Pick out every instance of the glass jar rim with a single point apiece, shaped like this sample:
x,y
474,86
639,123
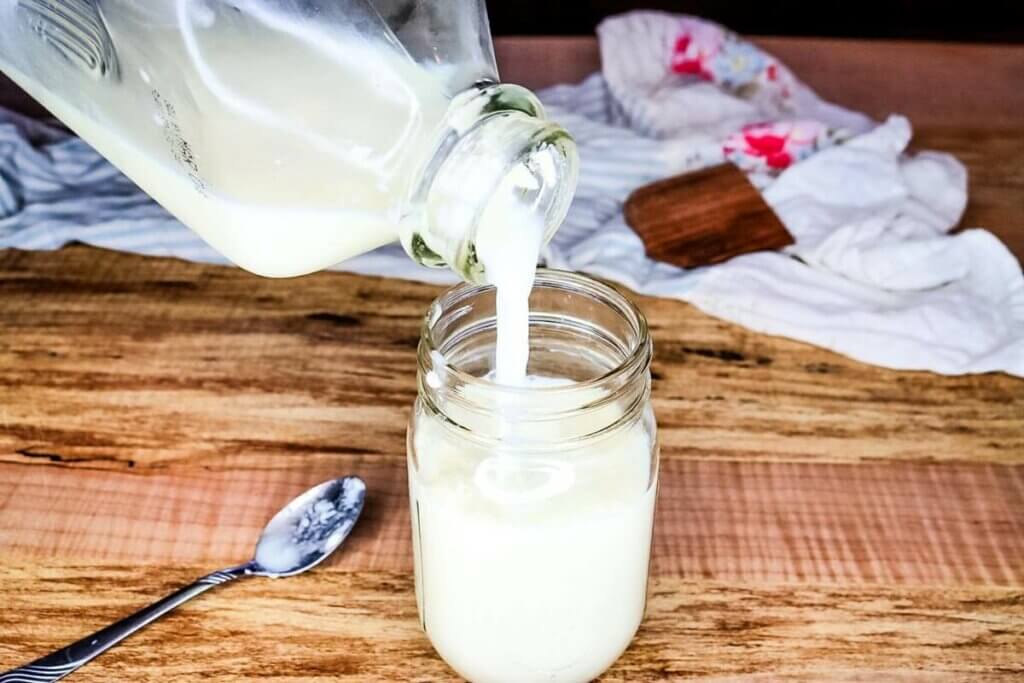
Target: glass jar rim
x,y
636,359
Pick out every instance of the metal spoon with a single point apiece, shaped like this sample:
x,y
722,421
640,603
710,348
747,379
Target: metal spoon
x,y
298,538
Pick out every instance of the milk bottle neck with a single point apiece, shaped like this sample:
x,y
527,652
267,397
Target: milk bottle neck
x,y
495,149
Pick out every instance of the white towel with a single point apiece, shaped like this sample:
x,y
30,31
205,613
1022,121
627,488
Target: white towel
x,y
873,274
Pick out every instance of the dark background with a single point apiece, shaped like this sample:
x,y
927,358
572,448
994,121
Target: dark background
x,y
967,20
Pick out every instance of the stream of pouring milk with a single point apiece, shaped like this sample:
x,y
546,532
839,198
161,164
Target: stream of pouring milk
x,y
530,566
508,245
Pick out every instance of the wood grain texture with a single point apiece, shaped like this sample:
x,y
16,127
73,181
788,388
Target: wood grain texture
x,y
362,626
933,524
704,217
161,411
158,411
818,519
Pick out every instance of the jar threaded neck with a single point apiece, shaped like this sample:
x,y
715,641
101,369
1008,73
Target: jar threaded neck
x,y
582,331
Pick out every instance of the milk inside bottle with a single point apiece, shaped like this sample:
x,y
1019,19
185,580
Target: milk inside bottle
x,y
292,136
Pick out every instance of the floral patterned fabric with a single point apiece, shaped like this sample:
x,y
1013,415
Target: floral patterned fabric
x,y
673,76
708,52
774,146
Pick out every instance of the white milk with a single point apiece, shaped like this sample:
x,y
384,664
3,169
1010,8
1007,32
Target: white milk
x,y
253,153
508,244
530,566
534,570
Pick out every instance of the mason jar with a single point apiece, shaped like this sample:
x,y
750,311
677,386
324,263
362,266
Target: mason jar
x,y
533,506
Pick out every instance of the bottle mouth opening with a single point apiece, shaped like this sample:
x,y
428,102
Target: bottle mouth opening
x,y
498,150
581,331
540,178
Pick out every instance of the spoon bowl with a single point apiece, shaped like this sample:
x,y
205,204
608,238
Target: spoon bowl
x,y
311,527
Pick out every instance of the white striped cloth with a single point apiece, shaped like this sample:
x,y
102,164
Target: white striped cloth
x,y
877,278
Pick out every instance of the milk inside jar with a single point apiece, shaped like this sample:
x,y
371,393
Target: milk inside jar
x,y
533,502
292,136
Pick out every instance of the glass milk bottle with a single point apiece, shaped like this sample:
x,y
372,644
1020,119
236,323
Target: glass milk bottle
x,y
293,135
532,506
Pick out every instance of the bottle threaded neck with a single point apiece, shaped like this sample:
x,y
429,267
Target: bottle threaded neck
x,y
497,146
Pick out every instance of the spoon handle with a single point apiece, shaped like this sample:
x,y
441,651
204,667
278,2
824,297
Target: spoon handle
x,y
59,664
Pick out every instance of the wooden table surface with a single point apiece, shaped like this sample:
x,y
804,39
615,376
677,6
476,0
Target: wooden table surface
x,y
819,519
